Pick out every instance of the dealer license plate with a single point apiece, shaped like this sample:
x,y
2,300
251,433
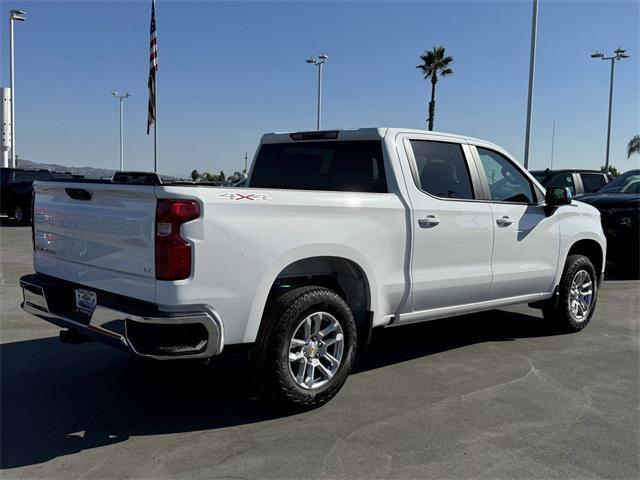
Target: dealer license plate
x,y
86,300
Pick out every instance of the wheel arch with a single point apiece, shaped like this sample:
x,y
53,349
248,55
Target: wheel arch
x,y
350,277
591,249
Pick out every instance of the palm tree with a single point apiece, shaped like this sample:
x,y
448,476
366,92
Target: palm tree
x,y
633,146
434,63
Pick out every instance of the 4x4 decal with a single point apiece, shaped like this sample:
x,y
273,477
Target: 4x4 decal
x,y
252,197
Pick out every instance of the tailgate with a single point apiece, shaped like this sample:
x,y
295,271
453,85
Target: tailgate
x,y
100,235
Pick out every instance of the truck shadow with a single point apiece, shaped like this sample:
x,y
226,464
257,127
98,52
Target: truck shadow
x,y
58,399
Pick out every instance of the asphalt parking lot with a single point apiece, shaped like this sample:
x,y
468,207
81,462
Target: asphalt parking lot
x,y
495,395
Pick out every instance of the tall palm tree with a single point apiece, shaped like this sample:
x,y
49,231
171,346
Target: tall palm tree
x,y
434,64
633,146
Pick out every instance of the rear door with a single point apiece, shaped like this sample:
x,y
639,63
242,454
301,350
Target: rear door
x,y
526,240
99,235
452,230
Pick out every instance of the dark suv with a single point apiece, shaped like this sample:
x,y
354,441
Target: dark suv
x,y
619,205
578,181
16,188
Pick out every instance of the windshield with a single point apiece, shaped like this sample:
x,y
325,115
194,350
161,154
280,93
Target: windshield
x,y
625,183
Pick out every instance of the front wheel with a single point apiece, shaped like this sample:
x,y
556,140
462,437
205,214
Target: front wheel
x,y
305,348
578,292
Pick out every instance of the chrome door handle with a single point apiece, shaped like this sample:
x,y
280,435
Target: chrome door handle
x,y
504,221
428,221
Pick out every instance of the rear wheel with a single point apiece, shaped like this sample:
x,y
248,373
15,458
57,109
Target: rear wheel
x,y
578,292
305,348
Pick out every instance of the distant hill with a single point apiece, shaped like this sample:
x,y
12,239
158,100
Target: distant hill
x,y
88,172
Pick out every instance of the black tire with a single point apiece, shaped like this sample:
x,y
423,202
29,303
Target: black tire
x,y
20,215
270,356
558,311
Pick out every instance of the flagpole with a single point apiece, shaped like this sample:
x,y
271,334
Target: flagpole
x,y
155,140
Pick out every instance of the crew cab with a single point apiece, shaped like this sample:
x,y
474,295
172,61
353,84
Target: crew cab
x,y
334,234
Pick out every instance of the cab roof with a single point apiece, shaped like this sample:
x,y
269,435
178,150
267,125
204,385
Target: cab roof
x,y
373,133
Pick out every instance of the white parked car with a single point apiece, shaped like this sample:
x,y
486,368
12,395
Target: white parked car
x,y
335,233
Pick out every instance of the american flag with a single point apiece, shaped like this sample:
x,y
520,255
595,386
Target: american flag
x,y
153,68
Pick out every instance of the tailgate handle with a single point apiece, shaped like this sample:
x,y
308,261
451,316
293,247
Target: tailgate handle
x,y
78,193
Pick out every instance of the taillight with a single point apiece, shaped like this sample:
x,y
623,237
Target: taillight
x,y
173,253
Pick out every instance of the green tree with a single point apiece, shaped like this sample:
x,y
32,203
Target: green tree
x,y
195,175
221,177
613,171
633,146
434,64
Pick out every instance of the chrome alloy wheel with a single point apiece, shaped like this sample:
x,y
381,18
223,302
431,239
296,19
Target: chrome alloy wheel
x,y
315,350
581,295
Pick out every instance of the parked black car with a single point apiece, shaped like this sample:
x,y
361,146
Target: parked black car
x,y
619,205
16,188
578,181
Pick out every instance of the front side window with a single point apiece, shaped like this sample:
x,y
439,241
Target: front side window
x,y
563,180
348,166
592,181
506,182
442,169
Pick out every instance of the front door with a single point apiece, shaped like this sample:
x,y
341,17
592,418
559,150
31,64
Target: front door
x,y
526,241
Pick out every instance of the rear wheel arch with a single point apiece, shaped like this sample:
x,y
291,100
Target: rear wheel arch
x,y
342,275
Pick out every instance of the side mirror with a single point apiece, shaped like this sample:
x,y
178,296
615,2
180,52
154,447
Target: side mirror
x,y
557,196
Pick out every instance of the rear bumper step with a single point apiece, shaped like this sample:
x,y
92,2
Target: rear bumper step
x,y
127,324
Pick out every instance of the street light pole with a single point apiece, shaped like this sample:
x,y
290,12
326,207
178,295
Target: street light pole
x,y
14,15
318,61
121,98
532,66
619,54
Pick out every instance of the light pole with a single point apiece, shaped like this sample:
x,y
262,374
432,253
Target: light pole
x,y
532,66
618,54
318,61
14,15
122,98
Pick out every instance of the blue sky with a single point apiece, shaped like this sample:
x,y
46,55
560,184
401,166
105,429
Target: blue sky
x,y
230,71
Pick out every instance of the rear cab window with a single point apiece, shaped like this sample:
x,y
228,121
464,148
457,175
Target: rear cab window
x,y
346,166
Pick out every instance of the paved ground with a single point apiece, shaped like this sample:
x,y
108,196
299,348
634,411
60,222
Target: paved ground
x,y
485,396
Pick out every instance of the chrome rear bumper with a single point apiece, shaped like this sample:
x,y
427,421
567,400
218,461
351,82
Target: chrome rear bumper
x,y
187,332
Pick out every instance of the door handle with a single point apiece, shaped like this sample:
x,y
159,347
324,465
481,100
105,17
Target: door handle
x,y
428,221
504,221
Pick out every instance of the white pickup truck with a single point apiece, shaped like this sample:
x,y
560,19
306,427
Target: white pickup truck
x,y
336,233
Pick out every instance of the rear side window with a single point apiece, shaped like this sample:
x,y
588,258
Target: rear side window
x,y
563,180
442,169
348,166
592,181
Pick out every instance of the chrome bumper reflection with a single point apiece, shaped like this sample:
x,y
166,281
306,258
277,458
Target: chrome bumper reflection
x,y
100,325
